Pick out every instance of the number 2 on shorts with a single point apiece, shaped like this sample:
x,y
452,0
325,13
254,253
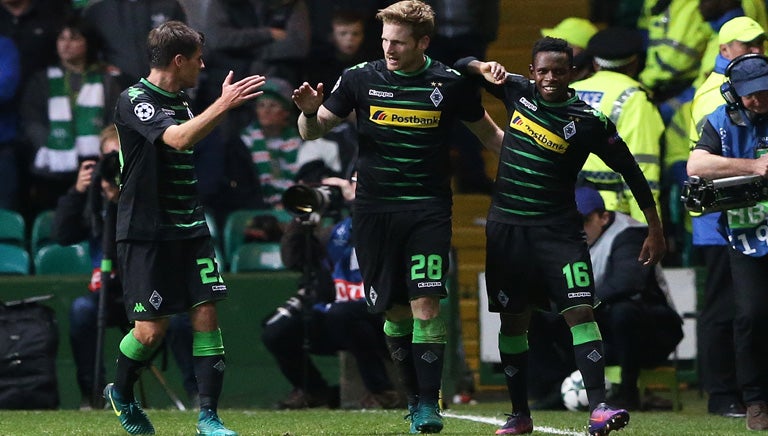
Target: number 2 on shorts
x,y
208,271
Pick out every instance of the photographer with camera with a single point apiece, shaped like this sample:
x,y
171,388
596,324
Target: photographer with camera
x,y
328,313
733,143
79,216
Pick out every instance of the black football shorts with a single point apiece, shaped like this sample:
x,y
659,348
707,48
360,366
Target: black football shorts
x,y
161,278
402,255
535,265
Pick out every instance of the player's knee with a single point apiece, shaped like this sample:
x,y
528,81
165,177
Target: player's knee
x,y
425,308
578,315
399,313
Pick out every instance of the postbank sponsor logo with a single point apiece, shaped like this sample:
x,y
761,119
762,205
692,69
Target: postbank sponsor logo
x,y
542,136
387,116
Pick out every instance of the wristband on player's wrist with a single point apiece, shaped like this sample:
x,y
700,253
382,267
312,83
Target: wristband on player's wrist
x,y
312,115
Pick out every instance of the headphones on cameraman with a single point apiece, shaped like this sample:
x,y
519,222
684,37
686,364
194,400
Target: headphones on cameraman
x,y
728,91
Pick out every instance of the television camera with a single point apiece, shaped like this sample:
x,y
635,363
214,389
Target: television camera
x,y
706,196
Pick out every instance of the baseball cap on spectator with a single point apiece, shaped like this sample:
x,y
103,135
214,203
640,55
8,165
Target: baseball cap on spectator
x,y
588,200
749,75
743,29
615,47
279,89
577,31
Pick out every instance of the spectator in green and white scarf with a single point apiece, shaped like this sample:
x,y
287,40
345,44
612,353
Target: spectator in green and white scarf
x,y
273,140
63,109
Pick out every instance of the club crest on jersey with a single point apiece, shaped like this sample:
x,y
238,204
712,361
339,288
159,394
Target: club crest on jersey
x,y
528,104
420,119
436,97
569,130
540,134
144,111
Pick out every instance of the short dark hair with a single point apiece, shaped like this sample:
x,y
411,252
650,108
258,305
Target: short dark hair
x,y
548,43
347,16
93,42
169,39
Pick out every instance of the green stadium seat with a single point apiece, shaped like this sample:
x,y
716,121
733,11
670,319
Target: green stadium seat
x,y
63,259
12,228
257,256
42,229
13,259
236,223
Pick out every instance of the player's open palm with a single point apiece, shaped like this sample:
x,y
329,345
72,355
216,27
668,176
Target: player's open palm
x,y
237,93
308,99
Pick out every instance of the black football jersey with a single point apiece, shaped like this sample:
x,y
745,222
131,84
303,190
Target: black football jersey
x,y
158,187
545,146
404,121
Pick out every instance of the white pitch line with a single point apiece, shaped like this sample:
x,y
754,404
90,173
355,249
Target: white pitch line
x,y
498,423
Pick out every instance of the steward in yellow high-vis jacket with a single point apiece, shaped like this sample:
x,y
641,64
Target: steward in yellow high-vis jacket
x,y
613,91
677,37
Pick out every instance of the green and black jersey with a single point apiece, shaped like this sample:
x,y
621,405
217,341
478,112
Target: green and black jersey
x,y
545,145
404,122
158,187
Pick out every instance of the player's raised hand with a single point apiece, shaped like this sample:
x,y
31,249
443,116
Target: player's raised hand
x,y
237,93
308,99
493,72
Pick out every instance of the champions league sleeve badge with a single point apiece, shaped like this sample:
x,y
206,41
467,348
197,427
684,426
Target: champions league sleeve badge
x,y
144,111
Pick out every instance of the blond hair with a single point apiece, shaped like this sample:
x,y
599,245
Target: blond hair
x,y
419,15
106,134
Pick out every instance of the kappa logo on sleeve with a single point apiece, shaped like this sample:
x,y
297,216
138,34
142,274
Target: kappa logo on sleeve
x,y
144,111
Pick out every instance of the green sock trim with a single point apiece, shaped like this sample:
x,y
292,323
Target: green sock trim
x,y
587,332
398,329
429,331
513,344
207,343
135,350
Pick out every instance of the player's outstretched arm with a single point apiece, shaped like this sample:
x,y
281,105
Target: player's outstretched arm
x,y
654,246
315,120
491,71
185,136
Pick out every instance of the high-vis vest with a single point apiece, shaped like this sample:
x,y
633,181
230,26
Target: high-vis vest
x,y
623,100
677,38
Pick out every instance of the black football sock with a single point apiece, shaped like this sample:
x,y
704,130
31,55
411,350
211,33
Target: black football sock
x,y
515,368
428,363
127,374
591,362
209,371
401,350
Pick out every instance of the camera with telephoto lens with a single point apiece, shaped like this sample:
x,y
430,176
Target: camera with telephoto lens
x,y
305,199
292,307
706,196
